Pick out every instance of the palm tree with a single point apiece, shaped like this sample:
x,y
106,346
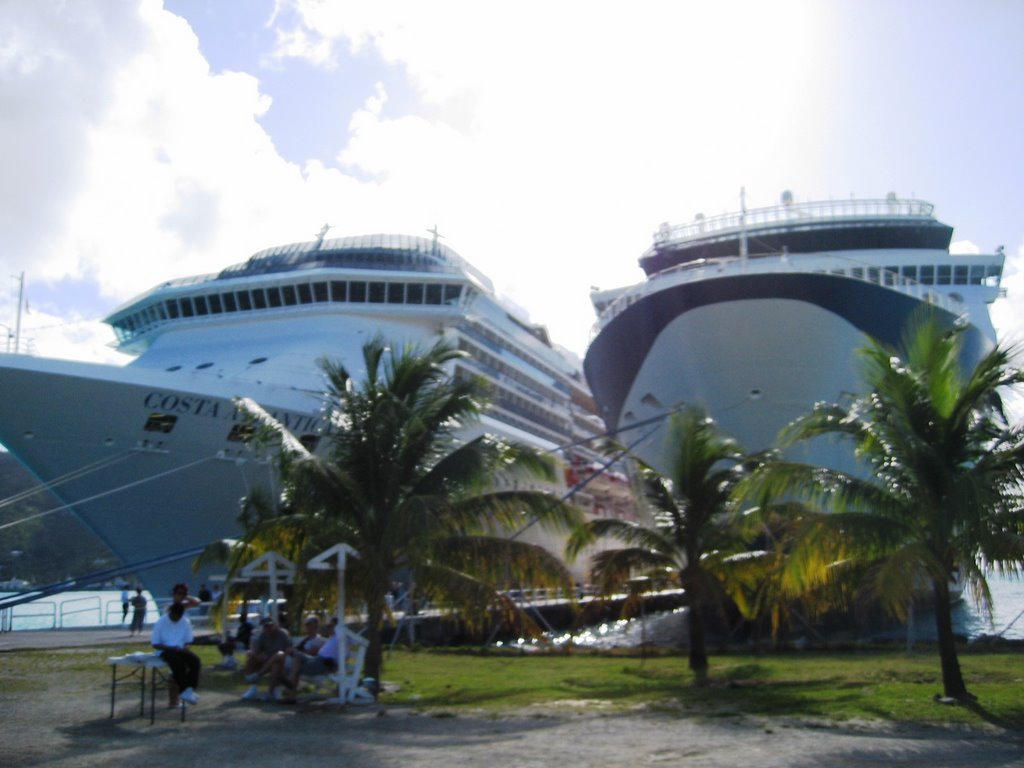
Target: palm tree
x,y
398,487
942,491
693,535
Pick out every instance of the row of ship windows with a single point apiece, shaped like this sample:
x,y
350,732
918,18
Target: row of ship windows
x,y
487,336
336,291
499,369
536,415
928,274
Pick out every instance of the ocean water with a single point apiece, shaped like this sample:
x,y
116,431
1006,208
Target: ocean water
x,y
1007,615
666,628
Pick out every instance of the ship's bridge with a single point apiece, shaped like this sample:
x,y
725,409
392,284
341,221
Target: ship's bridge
x,y
376,252
366,270
797,228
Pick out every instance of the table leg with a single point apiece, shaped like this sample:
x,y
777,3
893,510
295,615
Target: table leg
x,y
152,695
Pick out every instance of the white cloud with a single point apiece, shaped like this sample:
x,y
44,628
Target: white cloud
x,y
551,140
131,162
1008,312
547,140
963,247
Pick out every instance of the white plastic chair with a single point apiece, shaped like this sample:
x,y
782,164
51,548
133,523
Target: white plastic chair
x,y
350,674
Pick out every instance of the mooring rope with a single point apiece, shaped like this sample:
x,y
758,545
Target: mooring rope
x,y
102,494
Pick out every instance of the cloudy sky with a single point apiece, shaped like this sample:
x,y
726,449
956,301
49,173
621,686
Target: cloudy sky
x,y
144,140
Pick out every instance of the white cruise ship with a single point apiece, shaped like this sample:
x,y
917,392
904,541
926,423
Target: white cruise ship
x,y
153,455
757,315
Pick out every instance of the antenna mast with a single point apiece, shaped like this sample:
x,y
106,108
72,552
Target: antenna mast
x,y
17,321
320,236
436,235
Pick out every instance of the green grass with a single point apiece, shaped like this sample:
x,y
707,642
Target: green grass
x,y
869,684
876,685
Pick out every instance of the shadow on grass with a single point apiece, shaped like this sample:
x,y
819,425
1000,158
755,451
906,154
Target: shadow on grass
x,y
741,692
1013,720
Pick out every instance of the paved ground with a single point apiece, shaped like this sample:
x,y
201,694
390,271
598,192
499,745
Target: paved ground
x,y
24,640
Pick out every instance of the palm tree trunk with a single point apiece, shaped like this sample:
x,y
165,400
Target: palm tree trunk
x,y
698,651
952,680
375,639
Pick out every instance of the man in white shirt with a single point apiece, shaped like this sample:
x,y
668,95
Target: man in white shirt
x,y
172,634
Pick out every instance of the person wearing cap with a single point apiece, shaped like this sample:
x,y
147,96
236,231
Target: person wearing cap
x,y
323,662
271,640
286,666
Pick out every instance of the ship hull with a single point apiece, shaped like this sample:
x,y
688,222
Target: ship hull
x,y
147,493
754,350
87,432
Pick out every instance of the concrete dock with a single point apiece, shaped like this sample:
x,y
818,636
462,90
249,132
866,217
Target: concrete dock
x,y
42,639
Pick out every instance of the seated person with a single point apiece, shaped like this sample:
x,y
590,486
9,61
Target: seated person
x,y
270,641
312,640
172,634
231,644
288,667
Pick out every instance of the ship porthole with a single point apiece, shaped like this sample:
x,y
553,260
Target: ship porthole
x,y
201,366
174,368
108,442
257,360
28,435
756,394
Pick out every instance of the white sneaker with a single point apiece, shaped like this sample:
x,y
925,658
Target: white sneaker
x,y
252,694
190,696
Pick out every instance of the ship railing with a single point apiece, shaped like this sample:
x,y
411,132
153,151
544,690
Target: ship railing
x,y
794,213
38,614
703,269
54,614
65,613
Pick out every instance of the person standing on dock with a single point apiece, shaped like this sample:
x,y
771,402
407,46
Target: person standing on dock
x,y
205,598
139,615
125,602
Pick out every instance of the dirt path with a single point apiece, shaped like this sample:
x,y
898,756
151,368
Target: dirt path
x,y
72,730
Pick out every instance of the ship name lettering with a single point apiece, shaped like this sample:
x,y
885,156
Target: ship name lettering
x,y
171,403
295,422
